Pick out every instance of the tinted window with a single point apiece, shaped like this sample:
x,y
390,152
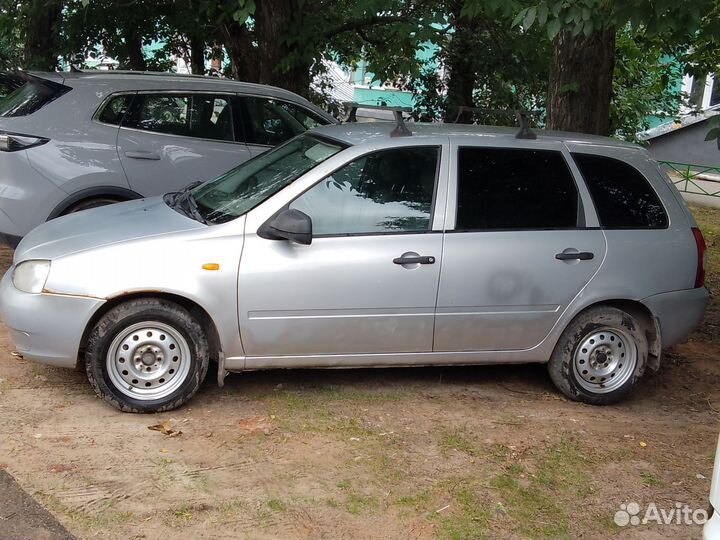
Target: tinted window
x,y
196,115
24,94
387,191
270,122
622,196
508,188
115,110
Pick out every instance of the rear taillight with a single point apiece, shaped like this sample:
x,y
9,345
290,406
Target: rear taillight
x,y
701,257
12,142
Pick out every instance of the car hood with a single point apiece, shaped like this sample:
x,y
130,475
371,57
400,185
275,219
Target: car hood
x,y
102,226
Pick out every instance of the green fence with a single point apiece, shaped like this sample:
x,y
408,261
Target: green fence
x,y
697,179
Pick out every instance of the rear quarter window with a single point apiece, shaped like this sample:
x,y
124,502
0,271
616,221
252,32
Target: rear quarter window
x,y
22,95
623,197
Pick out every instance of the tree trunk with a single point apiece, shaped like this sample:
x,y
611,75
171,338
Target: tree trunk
x,y
459,64
580,86
273,19
135,54
41,34
241,52
197,56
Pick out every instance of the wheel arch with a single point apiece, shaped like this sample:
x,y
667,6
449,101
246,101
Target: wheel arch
x,y
193,307
641,313
118,192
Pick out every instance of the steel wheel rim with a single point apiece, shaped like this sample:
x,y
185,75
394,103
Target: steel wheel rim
x,y
605,360
148,360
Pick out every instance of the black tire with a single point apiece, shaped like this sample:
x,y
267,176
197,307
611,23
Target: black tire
x,y
86,204
568,362
147,311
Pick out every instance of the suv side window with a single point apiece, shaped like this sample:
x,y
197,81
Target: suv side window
x,y
622,195
192,115
114,110
271,121
388,191
514,188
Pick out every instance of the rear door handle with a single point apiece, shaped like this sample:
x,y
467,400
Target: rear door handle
x,y
415,260
143,155
579,255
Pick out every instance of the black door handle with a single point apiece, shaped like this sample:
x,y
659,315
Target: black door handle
x,y
581,255
414,260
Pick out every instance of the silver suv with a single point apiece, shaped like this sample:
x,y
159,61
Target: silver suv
x,y
348,247
71,141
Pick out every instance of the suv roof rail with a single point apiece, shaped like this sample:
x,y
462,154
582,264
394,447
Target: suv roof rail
x,y
401,130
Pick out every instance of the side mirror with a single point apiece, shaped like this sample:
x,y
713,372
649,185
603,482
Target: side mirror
x,y
291,225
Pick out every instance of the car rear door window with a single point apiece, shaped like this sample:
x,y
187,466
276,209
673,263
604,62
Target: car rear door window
x,y
513,188
622,196
203,116
272,121
114,110
390,191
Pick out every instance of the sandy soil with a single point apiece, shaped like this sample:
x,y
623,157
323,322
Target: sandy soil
x,y
400,453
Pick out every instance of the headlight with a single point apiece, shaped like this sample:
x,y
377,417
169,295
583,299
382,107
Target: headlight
x,y
30,276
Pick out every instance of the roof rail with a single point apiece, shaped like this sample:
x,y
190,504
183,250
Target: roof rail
x,y
401,130
521,116
525,132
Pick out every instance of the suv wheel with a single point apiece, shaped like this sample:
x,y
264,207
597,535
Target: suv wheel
x,y
600,356
89,203
146,355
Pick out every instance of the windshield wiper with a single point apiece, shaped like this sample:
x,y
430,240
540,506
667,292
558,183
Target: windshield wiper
x,y
175,200
192,206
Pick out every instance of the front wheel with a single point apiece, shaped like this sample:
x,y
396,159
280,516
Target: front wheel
x,y
147,355
600,356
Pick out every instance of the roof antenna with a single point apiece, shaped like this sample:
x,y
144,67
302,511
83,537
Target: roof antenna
x,y
401,130
525,132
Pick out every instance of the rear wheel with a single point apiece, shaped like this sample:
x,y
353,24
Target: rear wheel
x,y
147,355
90,203
600,356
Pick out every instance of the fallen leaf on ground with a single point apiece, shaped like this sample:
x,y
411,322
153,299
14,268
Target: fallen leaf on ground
x,y
643,444
166,428
255,424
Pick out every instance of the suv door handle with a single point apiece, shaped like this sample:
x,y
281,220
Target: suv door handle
x,y
415,260
143,155
579,255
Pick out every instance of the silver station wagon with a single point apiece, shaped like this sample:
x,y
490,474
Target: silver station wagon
x,y
349,246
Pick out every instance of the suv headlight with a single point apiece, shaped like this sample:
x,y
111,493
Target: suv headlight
x,y
30,276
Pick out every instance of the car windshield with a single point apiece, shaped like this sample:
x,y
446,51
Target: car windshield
x,y
244,187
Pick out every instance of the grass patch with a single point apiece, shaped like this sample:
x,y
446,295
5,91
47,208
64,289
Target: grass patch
x,y
651,480
355,501
709,221
104,519
534,499
459,440
470,517
276,505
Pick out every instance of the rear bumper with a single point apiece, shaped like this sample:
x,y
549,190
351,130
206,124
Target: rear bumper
x,y
679,312
46,328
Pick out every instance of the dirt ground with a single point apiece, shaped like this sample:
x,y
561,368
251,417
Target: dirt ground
x,y
457,453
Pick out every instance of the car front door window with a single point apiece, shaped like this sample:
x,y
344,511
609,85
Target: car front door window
x,y
389,191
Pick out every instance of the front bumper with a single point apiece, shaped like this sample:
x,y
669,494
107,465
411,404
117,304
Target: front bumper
x,y
711,530
45,328
679,312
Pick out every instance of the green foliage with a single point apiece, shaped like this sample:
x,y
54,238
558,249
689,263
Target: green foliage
x,y
506,67
11,12
642,83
